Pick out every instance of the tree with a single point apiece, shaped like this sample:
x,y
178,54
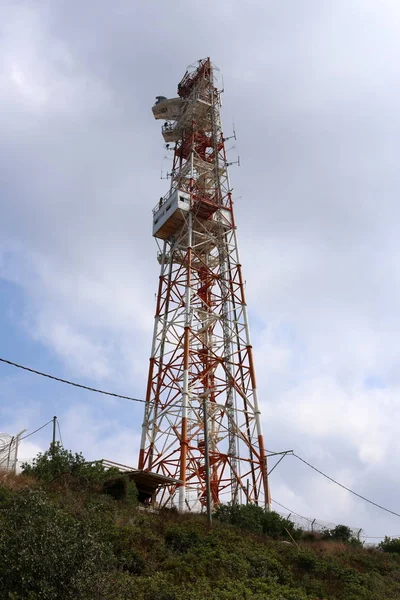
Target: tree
x,y
341,533
254,518
390,545
57,461
276,526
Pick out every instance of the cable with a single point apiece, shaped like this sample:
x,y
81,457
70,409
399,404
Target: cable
x,y
90,389
78,385
377,537
14,439
292,511
365,537
59,431
36,430
346,488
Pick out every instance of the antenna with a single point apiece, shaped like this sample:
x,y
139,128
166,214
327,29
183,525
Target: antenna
x,y
169,149
235,162
231,137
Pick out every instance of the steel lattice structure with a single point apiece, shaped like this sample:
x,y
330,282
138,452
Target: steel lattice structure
x,y
201,344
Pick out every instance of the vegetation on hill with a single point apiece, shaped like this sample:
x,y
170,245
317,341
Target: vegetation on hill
x,y
62,537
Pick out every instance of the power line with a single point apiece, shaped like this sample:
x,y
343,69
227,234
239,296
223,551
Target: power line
x,y
366,537
36,430
78,385
14,439
377,537
346,488
91,389
292,512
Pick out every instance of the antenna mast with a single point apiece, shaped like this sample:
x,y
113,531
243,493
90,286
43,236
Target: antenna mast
x,y
201,353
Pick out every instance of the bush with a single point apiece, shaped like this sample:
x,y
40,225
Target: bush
x,y
390,545
57,461
341,533
121,488
306,560
245,516
47,553
67,541
255,519
275,526
181,539
6,497
125,549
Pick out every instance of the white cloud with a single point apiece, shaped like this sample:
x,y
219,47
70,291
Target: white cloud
x,y
39,71
314,101
99,437
78,352
28,450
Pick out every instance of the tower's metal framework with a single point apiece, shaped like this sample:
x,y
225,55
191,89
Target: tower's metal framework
x,y
201,346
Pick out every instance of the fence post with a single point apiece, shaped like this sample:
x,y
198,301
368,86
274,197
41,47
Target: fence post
x,y
312,526
9,452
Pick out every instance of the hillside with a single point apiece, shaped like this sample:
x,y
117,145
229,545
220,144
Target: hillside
x,y
62,538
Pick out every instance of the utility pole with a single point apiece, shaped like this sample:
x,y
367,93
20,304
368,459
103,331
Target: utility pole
x,y
54,432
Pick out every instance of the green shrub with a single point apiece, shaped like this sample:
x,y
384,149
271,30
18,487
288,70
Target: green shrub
x,y
46,553
181,538
67,541
268,568
341,533
6,497
390,545
126,551
57,461
257,520
121,488
245,516
307,560
275,526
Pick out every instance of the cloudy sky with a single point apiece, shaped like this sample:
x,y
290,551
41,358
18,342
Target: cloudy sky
x,y
313,88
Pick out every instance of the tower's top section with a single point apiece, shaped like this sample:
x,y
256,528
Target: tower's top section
x,y
196,84
199,180
194,78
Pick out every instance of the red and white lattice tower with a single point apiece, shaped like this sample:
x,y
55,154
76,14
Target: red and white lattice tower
x,y
201,344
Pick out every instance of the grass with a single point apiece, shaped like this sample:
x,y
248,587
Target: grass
x,y
67,540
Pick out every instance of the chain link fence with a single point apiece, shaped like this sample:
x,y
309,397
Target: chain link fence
x,y
316,525
8,452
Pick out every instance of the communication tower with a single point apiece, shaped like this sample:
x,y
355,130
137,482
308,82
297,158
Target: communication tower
x,y
201,355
